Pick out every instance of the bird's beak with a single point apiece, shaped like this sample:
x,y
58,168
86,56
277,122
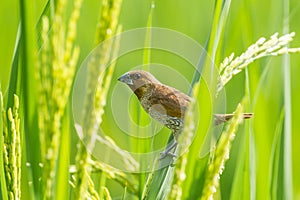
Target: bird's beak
x,y
126,79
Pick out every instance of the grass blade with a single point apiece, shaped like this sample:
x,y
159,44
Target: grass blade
x,y
276,163
288,170
220,16
28,88
62,177
14,81
46,12
141,115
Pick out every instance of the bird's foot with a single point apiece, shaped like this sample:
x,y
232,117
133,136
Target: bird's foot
x,y
168,152
165,154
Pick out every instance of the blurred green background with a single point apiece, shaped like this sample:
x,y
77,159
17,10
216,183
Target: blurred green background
x,y
248,21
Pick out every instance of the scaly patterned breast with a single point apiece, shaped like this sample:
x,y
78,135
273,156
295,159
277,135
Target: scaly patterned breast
x,y
158,112
163,107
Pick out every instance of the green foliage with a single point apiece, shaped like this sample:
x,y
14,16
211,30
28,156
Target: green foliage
x,y
11,146
41,156
2,170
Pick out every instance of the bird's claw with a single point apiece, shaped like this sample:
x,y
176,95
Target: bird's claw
x,y
165,154
168,152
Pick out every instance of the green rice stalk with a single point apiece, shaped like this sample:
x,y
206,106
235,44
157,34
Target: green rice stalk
x,y
125,179
44,75
243,186
147,51
147,184
12,150
262,48
124,193
55,73
106,194
84,167
106,28
21,79
39,26
91,191
184,139
286,67
136,108
276,170
4,194
97,92
130,163
217,165
179,177
62,186
221,13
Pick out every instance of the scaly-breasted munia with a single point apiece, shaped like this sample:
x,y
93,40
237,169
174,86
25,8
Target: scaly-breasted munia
x,y
164,103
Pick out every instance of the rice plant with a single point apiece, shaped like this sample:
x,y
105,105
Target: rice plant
x,y
71,131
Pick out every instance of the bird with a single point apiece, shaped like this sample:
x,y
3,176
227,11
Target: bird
x,y
164,103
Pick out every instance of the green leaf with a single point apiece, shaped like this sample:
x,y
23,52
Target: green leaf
x,y
276,162
197,163
62,174
14,81
27,64
141,114
216,36
287,145
241,184
195,177
161,182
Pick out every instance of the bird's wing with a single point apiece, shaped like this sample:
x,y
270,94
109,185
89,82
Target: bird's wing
x,y
172,101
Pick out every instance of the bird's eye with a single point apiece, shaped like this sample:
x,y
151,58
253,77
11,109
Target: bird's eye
x,y
136,76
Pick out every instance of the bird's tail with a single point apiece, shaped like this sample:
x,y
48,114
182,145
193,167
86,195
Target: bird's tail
x,y
221,118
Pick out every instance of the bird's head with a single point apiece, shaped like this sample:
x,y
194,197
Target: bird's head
x,y
138,79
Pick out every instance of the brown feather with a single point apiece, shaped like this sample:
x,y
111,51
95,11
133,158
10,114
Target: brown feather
x,y
173,101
